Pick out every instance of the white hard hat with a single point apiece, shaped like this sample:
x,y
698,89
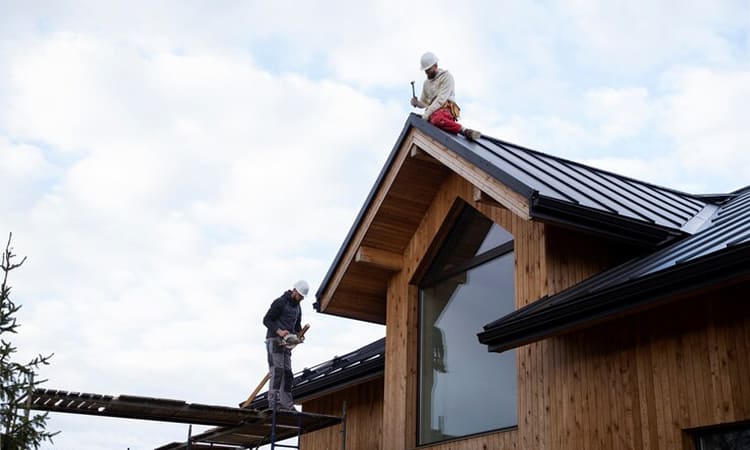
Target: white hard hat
x,y
302,287
428,60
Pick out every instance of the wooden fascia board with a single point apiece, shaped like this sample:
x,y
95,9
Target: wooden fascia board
x,y
390,261
499,192
372,211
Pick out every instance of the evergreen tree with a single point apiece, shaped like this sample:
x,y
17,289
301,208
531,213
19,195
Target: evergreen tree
x,y
19,429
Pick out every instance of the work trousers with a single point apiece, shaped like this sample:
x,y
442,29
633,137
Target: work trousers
x,y
280,368
443,119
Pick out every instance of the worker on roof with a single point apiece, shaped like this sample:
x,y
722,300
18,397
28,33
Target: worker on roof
x,y
283,322
439,99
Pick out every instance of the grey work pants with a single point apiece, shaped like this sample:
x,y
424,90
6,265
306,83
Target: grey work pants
x,y
280,368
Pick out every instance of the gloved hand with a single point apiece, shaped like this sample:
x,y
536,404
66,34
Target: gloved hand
x,y
415,102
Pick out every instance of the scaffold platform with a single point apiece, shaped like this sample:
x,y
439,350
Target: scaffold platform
x,y
235,427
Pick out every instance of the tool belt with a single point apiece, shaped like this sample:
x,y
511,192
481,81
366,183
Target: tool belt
x,y
453,108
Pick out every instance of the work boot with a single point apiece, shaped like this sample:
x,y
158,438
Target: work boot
x,y
470,134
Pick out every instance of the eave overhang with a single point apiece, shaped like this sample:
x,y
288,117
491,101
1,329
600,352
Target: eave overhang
x,y
356,283
635,232
573,309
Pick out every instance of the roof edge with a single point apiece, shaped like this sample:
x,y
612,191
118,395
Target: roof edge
x,y
614,226
358,220
623,299
443,138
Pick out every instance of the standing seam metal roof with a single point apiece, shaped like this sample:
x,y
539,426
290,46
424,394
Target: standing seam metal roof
x,y
720,250
354,367
560,191
577,184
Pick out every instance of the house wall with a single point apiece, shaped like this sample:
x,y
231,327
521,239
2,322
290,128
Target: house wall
x,y
607,387
364,416
641,382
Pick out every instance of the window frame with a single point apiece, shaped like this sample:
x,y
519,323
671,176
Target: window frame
x,y
428,279
700,434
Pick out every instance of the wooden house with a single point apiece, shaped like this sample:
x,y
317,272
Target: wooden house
x,y
531,302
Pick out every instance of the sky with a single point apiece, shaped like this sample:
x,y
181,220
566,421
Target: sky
x,y
171,167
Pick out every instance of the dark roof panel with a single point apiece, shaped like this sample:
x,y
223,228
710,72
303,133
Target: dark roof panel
x,y
577,184
719,251
355,367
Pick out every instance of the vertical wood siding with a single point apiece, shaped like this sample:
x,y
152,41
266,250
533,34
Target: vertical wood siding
x,y
364,415
643,382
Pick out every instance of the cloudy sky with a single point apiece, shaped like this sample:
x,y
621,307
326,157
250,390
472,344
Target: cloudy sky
x,y
171,167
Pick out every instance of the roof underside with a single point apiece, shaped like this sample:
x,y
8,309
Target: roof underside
x,y
361,288
717,254
552,190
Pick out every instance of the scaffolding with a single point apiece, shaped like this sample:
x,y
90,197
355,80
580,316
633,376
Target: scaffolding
x,y
235,428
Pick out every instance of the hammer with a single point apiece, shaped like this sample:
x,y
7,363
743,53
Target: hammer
x,y
412,90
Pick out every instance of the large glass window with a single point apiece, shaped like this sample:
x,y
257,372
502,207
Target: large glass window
x,y
464,389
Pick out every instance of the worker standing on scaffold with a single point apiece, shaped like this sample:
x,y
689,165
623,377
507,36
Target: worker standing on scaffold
x,y
283,322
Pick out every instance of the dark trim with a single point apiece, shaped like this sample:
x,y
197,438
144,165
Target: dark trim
x,y
562,313
468,436
469,264
357,367
633,231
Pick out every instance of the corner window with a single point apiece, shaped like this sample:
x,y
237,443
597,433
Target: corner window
x,y
464,389
727,438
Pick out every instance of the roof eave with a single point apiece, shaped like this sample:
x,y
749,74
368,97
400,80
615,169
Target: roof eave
x,y
358,220
613,226
415,121
729,265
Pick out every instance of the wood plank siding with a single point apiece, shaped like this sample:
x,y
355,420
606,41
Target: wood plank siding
x,y
364,418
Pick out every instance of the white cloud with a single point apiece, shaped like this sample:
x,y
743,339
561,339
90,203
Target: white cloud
x,y
619,113
705,114
171,168
637,37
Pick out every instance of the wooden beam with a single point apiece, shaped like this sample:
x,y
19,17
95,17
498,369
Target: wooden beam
x,y
419,154
481,197
379,258
504,195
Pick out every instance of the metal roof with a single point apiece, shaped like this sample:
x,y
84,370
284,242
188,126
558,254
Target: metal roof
x,y
355,367
719,251
562,192
565,181
576,195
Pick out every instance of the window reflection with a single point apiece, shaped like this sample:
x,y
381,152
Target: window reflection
x,y
463,388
